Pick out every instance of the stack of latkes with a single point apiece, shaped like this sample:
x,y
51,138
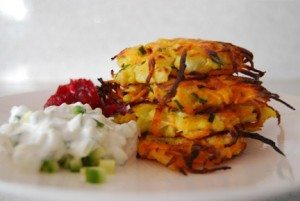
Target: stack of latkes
x,y
193,109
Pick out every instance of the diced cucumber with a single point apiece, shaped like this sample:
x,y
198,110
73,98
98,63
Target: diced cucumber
x,y
96,155
95,175
75,164
108,165
50,166
71,163
93,158
64,161
79,109
86,161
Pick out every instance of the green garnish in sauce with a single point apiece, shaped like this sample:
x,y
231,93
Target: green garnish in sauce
x,y
99,124
79,109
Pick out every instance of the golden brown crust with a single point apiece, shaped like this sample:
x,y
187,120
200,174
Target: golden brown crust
x,y
249,117
197,95
193,112
203,58
196,156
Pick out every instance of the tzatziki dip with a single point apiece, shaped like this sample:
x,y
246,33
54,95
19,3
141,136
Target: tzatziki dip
x,y
32,137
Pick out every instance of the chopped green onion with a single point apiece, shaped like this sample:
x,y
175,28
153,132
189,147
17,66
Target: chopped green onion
x,y
95,175
79,109
123,67
142,50
50,166
150,89
108,165
211,117
179,105
99,124
200,100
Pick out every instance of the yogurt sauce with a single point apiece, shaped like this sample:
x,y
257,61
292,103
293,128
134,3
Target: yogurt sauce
x,y
31,137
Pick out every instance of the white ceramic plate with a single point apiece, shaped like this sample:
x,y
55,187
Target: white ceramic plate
x,y
258,173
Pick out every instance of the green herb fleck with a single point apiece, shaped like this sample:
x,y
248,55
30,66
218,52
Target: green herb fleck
x,y
200,100
79,109
215,58
124,66
150,89
99,124
179,105
142,50
143,62
211,117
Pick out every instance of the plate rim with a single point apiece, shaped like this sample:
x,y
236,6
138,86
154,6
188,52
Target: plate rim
x,y
35,191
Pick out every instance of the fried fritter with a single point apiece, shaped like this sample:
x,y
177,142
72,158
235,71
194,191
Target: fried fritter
x,y
197,156
194,95
248,116
203,57
193,112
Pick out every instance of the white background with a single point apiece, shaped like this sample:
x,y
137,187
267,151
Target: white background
x,y
52,41
43,43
